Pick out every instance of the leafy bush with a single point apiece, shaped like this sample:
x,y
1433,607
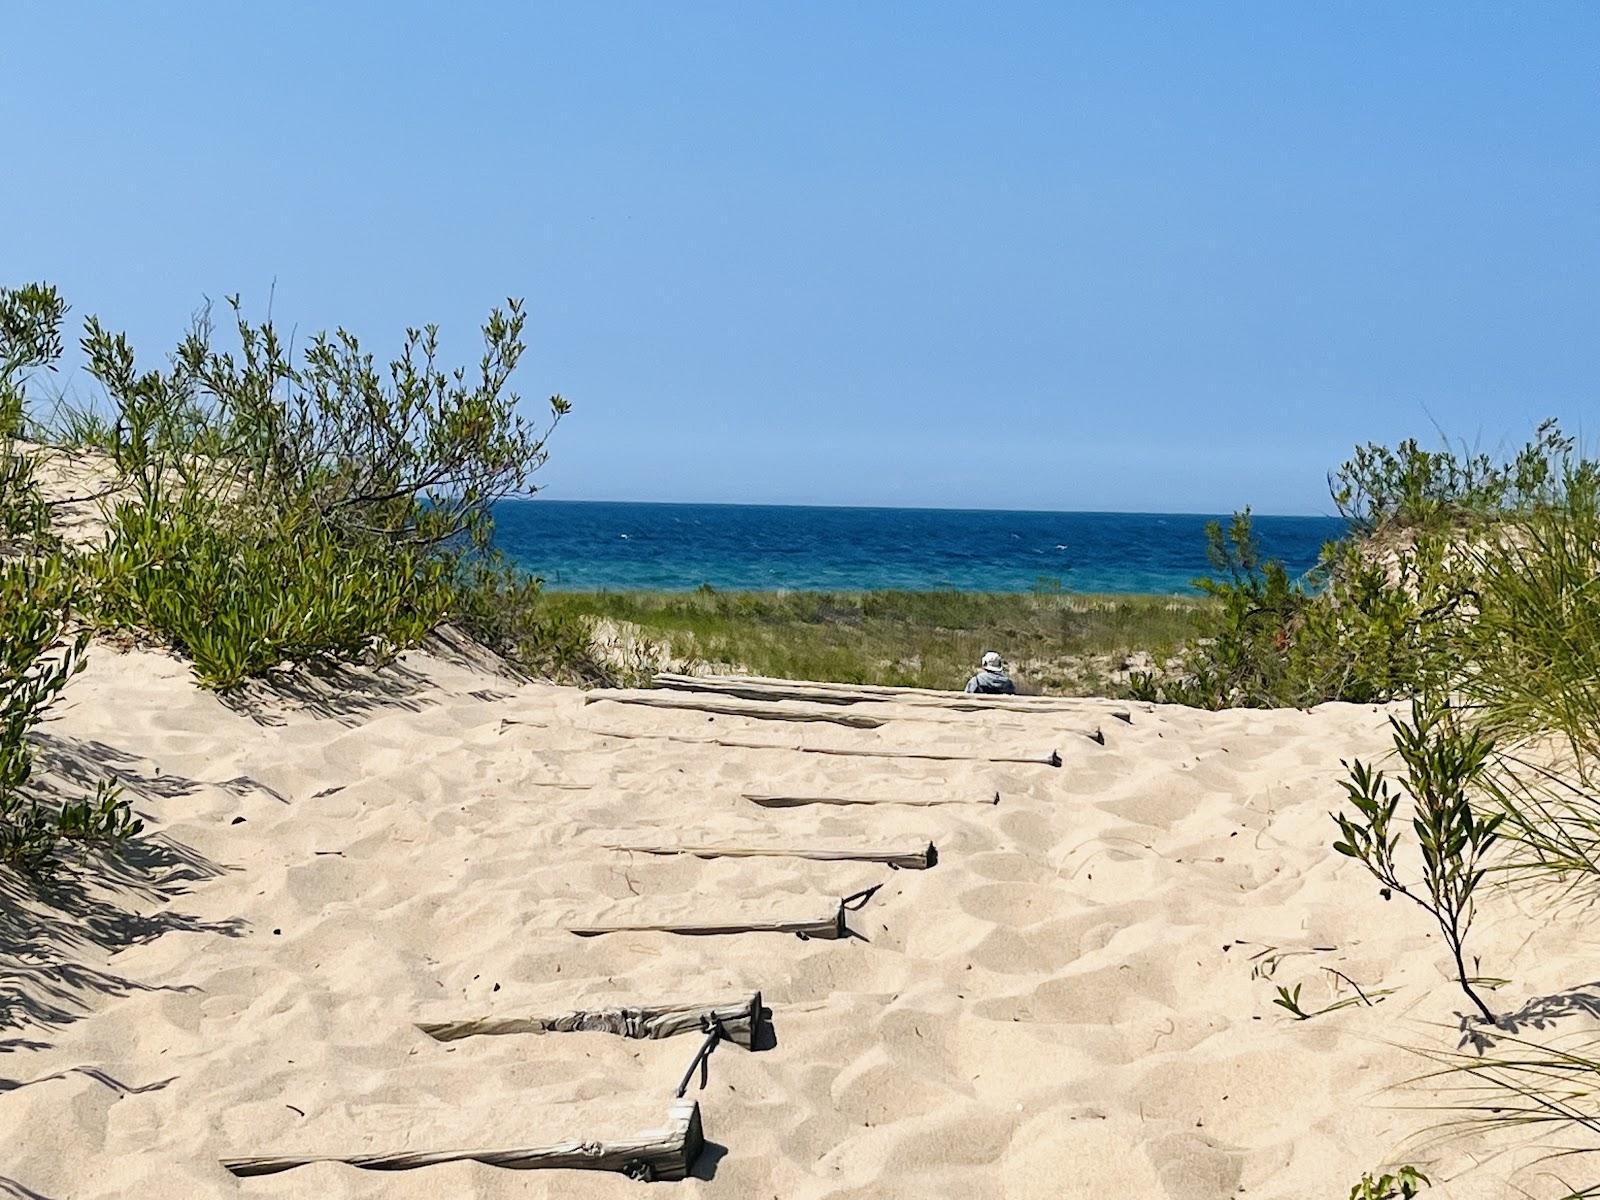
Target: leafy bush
x,y
1400,1185
507,611
407,455
30,338
1361,627
37,658
1384,613
1408,487
1444,762
320,510
241,598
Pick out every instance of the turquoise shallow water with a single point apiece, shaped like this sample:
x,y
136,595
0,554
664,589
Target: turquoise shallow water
x,y
621,546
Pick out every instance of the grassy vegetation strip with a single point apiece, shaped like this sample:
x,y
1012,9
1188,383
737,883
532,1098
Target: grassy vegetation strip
x,y
1059,642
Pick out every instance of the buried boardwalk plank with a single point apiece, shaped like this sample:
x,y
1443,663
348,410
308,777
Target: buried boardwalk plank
x,y
1044,760
738,1016
918,858
726,709
829,928
762,688
665,1153
911,802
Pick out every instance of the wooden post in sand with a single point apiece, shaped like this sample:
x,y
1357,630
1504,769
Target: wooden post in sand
x,y
665,1153
766,801
916,858
739,1017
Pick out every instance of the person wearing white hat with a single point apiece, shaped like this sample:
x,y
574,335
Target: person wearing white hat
x,y
991,679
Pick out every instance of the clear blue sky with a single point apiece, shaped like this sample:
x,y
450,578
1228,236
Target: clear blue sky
x,y
1110,256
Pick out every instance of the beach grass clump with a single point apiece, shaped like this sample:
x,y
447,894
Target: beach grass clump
x,y
1532,651
1536,628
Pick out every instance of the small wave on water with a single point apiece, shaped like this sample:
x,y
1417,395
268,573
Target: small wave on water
x,y
574,546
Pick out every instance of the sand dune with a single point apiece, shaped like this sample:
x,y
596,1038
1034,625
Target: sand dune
x,y
1075,1001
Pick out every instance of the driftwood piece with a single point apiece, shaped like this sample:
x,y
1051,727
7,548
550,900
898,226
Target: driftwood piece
x,y
724,708
918,858
738,1016
762,688
1049,760
766,801
829,928
665,1153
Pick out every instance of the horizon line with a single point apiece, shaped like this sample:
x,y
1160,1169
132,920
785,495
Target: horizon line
x,y
1079,512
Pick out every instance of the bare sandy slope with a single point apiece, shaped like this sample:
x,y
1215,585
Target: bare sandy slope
x,y
1074,1002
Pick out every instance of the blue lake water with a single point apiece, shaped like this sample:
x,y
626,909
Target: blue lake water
x,y
621,546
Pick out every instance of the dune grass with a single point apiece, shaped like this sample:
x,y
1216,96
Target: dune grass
x,y
1057,642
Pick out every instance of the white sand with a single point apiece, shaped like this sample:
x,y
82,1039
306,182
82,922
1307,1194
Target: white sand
x,y
1066,1005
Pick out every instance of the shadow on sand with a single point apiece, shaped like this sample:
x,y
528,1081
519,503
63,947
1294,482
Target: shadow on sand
x,y
93,903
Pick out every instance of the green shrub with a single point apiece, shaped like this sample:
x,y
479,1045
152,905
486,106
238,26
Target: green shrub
x,y
507,611
407,454
1400,1185
30,339
1383,614
37,658
317,510
1444,764
1362,627
243,594
1408,487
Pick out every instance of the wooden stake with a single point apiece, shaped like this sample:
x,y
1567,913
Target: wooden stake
x,y
918,859
801,801
666,1153
1051,760
740,1017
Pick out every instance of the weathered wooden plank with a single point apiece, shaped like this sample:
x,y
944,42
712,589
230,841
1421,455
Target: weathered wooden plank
x,y
764,688
665,1153
1045,760
739,1016
829,927
756,712
766,801
918,858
